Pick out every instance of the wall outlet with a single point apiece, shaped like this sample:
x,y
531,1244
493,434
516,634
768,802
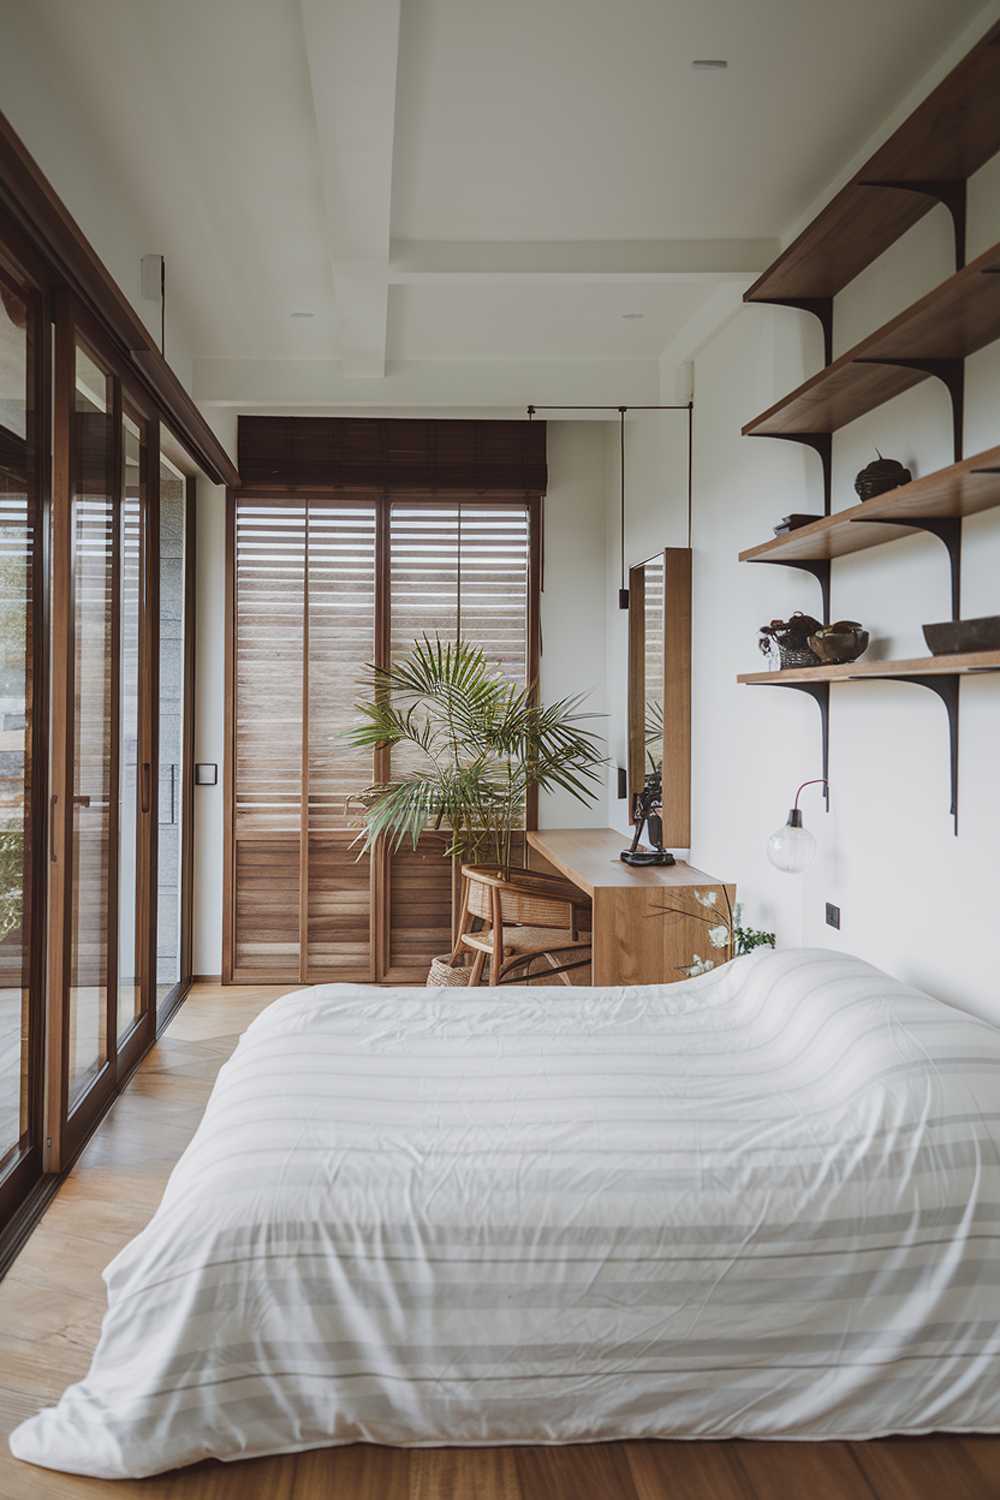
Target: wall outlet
x,y
832,915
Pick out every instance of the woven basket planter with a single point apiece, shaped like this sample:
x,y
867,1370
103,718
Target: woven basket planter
x,y
446,974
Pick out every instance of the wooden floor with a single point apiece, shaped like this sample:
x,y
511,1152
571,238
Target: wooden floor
x,y
52,1300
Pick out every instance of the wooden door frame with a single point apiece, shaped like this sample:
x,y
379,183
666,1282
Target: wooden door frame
x,y
676,691
380,874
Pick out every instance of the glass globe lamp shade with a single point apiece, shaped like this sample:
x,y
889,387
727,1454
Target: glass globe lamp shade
x,y
792,847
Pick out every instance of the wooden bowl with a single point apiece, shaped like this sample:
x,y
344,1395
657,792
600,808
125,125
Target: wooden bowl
x,y
835,647
951,637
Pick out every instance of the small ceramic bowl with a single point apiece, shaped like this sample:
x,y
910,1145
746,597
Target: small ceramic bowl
x,y
837,644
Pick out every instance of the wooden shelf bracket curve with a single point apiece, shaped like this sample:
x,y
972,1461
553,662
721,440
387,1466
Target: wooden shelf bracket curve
x,y
820,307
820,570
948,529
951,372
947,689
822,444
950,192
819,692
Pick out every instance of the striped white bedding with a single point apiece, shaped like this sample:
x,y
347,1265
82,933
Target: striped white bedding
x,y
763,1202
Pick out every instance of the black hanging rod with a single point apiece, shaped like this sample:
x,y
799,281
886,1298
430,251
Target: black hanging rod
x,y
671,406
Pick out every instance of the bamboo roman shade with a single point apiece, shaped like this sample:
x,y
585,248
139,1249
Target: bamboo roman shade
x,y
320,588
392,455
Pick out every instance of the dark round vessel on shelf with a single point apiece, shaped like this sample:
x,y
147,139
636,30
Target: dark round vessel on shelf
x,y
880,475
952,637
841,642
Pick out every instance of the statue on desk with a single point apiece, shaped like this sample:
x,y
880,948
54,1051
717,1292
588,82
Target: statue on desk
x,y
648,810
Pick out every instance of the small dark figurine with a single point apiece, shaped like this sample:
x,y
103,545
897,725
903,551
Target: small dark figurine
x,y
880,475
648,807
792,640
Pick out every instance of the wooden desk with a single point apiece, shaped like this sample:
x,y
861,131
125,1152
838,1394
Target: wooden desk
x,y
637,938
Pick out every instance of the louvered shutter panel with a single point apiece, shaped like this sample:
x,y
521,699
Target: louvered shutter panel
x,y
455,570
341,615
304,907
267,819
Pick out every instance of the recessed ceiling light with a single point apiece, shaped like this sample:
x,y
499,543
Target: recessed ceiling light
x,y
709,64
629,317
303,315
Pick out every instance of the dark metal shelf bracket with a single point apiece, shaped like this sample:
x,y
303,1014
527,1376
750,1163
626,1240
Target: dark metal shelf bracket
x,y
820,569
820,693
946,687
949,191
820,307
951,372
948,529
821,443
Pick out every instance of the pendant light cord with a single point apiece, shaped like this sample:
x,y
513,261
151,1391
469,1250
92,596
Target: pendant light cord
x,y
621,427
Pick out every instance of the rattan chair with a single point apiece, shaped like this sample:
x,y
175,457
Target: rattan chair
x,y
528,917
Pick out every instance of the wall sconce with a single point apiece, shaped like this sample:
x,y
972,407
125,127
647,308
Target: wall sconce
x,y
792,847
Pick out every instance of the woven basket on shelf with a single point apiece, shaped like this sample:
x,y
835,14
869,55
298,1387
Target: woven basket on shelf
x,y
797,656
444,973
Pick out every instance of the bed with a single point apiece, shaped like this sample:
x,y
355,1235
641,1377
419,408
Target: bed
x,y
764,1202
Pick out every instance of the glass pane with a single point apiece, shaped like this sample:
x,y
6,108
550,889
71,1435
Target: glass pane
x,y
16,546
93,541
130,543
168,891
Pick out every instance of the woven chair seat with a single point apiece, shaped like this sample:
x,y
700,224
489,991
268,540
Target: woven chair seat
x,y
528,940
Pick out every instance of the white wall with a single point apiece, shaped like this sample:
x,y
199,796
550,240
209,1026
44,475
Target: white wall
x,y
914,899
573,633
210,668
41,96
573,640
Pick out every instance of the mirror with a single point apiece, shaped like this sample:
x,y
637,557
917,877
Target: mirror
x,y
659,685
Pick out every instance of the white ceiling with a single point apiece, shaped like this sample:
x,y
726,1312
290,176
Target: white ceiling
x,y
470,181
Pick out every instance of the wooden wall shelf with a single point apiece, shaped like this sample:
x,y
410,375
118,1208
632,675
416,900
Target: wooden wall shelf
x,y
916,666
962,489
946,138
931,337
941,674
929,159
934,503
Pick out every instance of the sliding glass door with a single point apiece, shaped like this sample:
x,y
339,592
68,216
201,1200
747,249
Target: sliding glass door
x,y
173,823
104,711
24,369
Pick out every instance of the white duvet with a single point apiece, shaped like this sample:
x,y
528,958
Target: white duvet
x,y
763,1202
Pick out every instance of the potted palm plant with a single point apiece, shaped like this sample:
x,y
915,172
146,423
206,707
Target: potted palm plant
x,y
475,744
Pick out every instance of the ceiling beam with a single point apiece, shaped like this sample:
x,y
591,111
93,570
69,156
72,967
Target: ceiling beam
x,y
412,385
352,53
634,262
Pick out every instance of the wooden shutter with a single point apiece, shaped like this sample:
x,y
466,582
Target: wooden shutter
x,y
458,570
319,589
269,637
337,906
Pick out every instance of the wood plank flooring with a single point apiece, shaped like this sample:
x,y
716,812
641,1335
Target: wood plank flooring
x,y
52,1300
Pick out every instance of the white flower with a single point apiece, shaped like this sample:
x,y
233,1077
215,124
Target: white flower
x,y
719,936
698,966
706,898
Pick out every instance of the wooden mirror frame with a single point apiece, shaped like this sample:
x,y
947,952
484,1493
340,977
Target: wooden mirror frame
x,y
676,691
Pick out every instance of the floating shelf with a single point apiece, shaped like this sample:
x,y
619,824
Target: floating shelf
x,y
935,503
963,489
946,138
931,337
917,666
941,674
